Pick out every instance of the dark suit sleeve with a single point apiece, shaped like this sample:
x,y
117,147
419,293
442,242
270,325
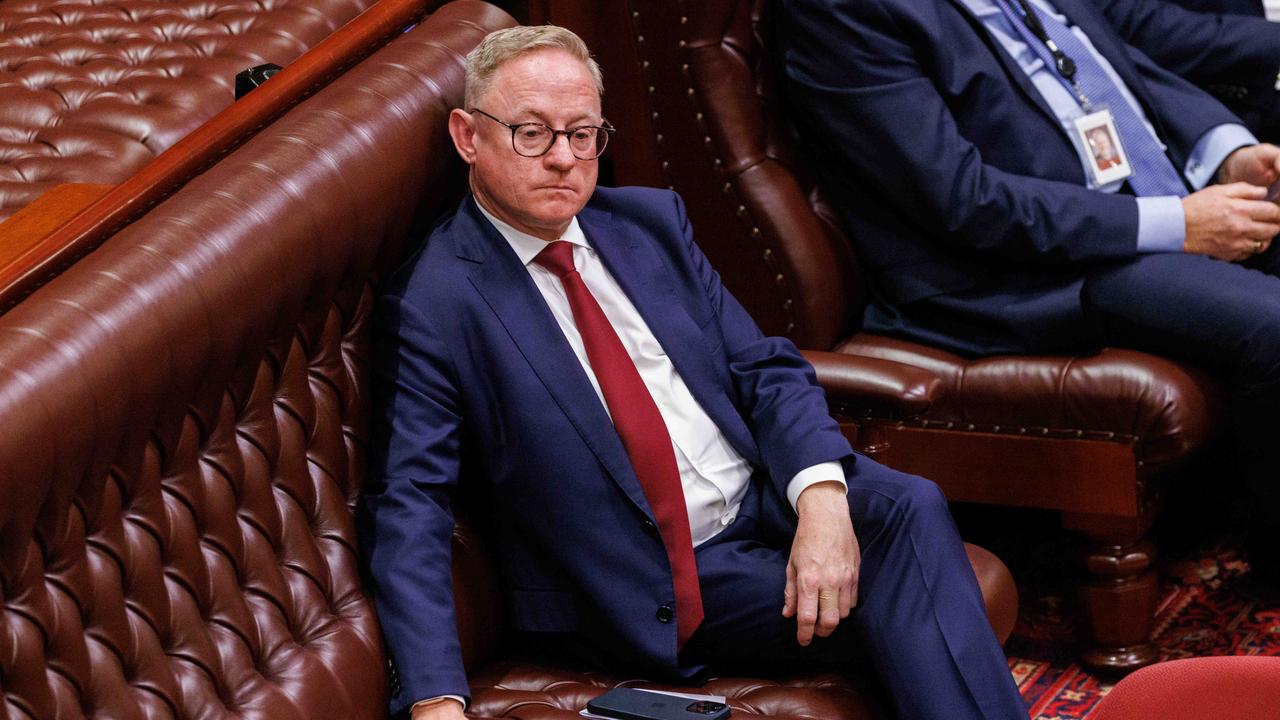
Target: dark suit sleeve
x,y
407,502
1206,48
860,77
777,390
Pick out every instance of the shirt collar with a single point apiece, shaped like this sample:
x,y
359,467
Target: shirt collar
x,y
527,246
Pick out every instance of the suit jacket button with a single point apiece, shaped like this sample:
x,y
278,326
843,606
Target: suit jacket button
x,y
650,524
665,614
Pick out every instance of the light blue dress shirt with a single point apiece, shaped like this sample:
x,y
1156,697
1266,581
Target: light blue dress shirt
x,y
1161,224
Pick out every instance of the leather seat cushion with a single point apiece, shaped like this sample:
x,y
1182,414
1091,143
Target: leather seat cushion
x,y
507,689
512,688
1118,395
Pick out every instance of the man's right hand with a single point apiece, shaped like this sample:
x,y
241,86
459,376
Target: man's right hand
x,y
1230,222
446,709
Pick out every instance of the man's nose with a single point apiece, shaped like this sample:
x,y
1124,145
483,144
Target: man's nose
x,y
560,155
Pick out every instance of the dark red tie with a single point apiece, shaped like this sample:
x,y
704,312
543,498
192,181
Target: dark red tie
x,y
643,432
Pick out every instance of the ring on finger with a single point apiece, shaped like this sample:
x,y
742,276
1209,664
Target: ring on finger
x,y
1257,246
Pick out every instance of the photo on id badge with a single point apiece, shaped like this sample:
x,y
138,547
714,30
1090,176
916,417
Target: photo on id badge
x,y
1106,157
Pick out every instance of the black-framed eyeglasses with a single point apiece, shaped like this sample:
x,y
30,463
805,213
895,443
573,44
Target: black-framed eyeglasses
x,y
531,139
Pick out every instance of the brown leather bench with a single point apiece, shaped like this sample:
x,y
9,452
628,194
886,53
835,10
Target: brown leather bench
x,y
185,419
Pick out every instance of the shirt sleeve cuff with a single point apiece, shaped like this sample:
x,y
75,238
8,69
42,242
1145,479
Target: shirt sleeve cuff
x,y
1162,226
1212,149
438,698
822,472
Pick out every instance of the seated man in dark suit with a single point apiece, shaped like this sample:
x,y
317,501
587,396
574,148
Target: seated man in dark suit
x,y
947,133
1226,47
665,483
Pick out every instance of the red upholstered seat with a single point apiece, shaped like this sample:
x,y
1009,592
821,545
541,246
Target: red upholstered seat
x,y
1210,688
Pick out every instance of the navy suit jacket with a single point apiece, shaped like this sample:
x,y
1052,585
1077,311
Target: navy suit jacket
x,y
1226,47
951,172
474,377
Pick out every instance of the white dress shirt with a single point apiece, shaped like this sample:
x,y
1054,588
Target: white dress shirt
x,y
1272,9
714,475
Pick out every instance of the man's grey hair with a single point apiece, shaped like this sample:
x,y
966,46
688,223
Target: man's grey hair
x,y
501,46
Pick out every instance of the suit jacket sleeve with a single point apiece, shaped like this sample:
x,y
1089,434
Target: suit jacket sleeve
x,y
1207,48
777,390
407,503
857,73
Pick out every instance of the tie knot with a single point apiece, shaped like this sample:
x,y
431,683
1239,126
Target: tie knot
x,y
557,257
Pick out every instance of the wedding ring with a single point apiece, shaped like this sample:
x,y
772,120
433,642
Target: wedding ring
x,y
1257,246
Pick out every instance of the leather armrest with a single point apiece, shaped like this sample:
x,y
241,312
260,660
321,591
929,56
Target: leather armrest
x,y
883,387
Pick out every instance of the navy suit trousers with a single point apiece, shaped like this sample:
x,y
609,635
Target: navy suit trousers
x,y
920,619
1224,317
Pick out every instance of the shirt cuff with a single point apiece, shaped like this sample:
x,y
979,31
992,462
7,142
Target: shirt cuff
x,y
1211,151
822,472
428,701
1162,225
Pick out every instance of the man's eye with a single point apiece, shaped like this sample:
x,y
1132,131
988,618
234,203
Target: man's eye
x,y
583,133
532,132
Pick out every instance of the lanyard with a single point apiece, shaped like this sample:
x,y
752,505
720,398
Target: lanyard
x,y
1065,65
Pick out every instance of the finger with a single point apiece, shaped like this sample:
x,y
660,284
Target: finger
x,y
828,612
853,585
1245,191
806,613
846,599
1259,210
789,593
1262,232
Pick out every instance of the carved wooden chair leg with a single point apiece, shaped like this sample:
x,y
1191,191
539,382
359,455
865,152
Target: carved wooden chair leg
x,y
1120,592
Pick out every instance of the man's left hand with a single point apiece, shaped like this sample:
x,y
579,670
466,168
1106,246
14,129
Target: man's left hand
x,y
822,575
1255,164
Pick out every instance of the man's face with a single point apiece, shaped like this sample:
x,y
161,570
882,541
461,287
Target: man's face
x,y
537,195
1102,144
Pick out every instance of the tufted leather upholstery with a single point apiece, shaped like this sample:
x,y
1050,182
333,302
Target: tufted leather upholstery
x,y
185,415
90,90
694,88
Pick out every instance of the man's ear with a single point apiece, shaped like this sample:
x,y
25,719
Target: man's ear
x,y
463,131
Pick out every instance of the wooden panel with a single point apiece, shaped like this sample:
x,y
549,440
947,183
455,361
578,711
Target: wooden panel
x,y
49,255
20,233
1076,476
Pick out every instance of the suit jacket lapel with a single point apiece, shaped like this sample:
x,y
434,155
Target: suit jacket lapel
x,y
506,287
631,259
1010,65
1104,39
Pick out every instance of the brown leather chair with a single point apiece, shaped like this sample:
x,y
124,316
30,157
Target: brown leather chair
x,y
185,418
694,95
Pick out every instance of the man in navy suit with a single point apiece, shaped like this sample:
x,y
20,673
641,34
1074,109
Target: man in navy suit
x,y
947,134
665,483
1226,47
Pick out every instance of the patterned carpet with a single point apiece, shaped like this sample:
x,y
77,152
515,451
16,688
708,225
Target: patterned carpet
x,y
1206,608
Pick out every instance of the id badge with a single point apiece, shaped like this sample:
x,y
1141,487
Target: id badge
x,y
1105,155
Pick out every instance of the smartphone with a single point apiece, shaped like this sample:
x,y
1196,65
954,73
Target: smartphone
x,y
631,704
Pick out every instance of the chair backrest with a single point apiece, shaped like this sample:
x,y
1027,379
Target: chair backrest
x,y
693,90
185,416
